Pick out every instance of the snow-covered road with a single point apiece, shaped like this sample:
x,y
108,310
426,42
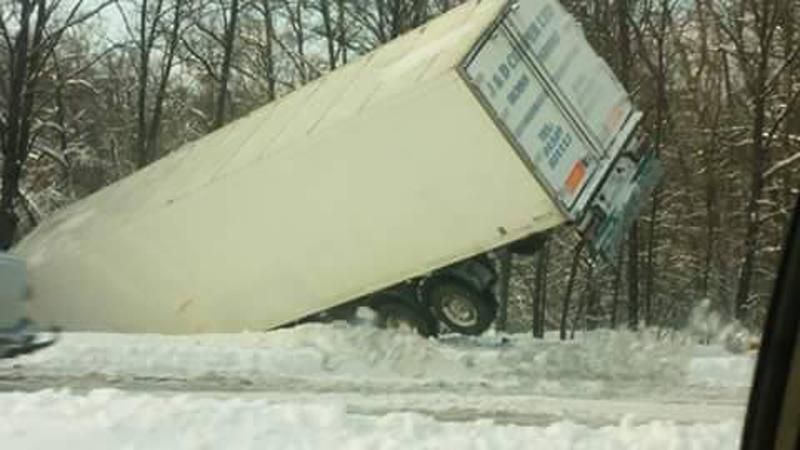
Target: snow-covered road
x,y
339,386
110,419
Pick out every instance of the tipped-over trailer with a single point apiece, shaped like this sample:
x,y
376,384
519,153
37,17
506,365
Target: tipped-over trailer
x,y
383,183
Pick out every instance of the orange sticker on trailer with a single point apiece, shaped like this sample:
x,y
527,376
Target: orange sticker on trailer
x,y
576,176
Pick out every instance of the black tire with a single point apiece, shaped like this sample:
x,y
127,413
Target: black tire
x,y
395,312
459,305
528,246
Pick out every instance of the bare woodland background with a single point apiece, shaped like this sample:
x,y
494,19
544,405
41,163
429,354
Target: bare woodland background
x,y
92,90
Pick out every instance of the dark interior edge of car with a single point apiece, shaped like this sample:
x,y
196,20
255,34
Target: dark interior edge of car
x,y
773,413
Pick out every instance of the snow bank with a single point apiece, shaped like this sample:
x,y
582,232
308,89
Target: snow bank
x,y
106,419
340,353
722,370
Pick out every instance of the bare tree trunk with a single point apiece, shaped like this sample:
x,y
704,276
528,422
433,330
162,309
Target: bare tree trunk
x,y
396,19
141,94
330,34
711,219
752,213
709,106
154,131
583,316
576,259
61,120
15,143
624,71
27,52
592,301
299,30
540,290
269,37
420,13
625,60
765,21
580,316
223,96
633,278
618,268
504,257
341,33
148,33
662,121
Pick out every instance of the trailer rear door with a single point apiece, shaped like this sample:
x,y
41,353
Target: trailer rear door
x,y
568,117
585,86
553,146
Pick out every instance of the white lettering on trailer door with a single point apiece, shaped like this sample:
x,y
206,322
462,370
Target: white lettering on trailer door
x,y
560,156
583,81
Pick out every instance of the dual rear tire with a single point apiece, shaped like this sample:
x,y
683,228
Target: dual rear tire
x,y
400,311
441,298
459,305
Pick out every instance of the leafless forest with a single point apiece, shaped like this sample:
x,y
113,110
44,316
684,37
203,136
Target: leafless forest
x,y
92,90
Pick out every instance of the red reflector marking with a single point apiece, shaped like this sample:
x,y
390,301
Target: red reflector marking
x,y
575,177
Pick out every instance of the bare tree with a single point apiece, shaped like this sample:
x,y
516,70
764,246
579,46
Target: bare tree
x,y
229,36
155,36
540,290
211,44
751,26
31,30
505,260
565,305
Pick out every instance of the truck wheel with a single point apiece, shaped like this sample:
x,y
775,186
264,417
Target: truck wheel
x,y
458,305
398,313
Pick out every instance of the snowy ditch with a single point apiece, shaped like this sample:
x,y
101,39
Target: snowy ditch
x,y
354,354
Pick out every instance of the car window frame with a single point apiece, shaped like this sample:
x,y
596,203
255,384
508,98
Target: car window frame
x,y
772,420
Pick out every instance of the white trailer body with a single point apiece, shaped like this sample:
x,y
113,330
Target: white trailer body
x,y
472,132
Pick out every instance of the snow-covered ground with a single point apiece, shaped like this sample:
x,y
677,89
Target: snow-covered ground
x,y
339,386
107,419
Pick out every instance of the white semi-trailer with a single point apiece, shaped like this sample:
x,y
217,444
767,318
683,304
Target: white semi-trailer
x,y
383,183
